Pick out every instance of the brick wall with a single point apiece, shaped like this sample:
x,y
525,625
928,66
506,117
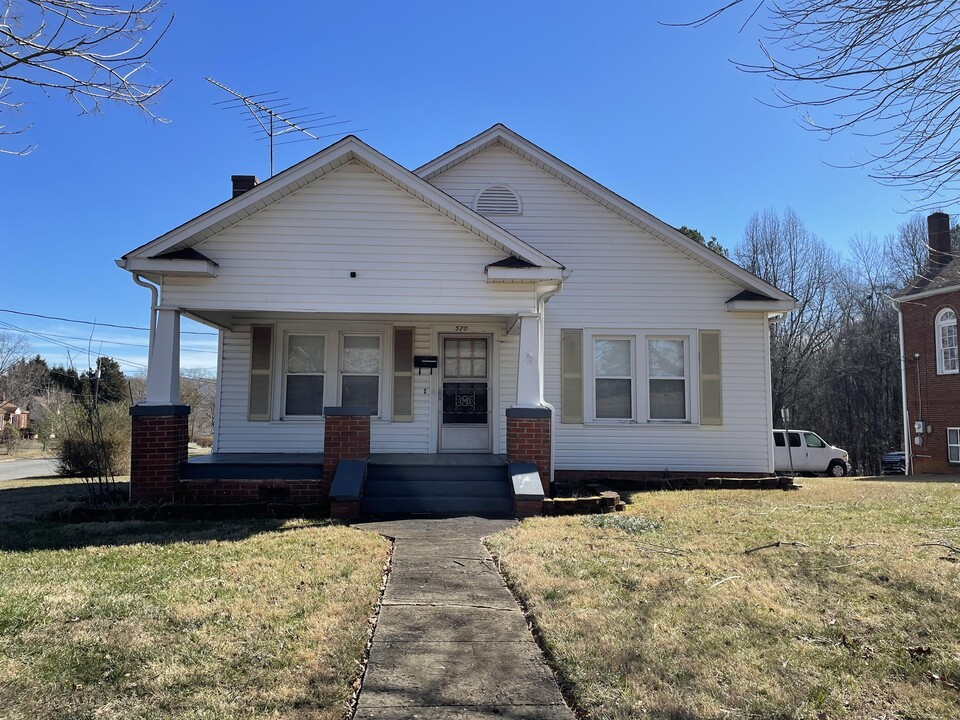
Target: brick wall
x,y
158,445
346,436
528,440
938,395
214,492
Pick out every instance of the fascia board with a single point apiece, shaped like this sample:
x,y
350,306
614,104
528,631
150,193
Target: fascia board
x,y
179,267
925,294
761,306
500,274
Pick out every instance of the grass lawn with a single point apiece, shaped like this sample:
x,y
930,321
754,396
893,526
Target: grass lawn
x,y
672,619
224,619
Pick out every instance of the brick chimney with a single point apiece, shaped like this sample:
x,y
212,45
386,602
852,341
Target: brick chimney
x,y
938,231
242,183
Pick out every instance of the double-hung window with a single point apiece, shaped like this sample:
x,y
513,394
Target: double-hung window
x,y
360,363
953,445
947,354
643,377
667,378
304,370
613,370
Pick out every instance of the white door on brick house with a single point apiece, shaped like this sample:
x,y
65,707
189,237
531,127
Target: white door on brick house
x,y
465,394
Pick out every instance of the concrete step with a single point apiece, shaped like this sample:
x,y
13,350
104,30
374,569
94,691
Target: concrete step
x,y
435,472
436,488
464,505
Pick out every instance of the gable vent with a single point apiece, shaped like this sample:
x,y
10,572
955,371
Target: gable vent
x,y
497,200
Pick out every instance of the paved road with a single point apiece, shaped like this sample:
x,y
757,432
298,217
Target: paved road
x,y
20,469
451,641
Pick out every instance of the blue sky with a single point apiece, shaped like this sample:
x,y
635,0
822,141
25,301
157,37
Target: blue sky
x,y
657,114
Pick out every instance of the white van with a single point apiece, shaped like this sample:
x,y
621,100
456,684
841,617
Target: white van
x,y
809,453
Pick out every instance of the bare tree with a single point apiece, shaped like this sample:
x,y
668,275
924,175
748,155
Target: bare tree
x,y
782,251
888,69
91,52
13,348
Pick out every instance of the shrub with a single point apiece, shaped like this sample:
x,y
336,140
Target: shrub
x,y
94,443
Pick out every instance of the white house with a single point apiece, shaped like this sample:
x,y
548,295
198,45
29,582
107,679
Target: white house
x,y
536,290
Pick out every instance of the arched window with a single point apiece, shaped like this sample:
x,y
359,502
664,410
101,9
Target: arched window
x,y
497,200
947,355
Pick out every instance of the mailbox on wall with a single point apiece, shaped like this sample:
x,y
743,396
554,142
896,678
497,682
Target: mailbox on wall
x,y
425,361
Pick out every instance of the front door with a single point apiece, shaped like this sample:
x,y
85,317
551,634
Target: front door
x,y
464,394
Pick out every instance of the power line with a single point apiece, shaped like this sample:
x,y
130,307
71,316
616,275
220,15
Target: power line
x,y
104,342
68,346
91,322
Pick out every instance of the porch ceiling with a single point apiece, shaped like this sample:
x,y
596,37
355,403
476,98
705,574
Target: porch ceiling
x,y
227,319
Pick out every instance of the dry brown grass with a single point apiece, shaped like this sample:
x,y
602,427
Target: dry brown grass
x,y
863,622
235,619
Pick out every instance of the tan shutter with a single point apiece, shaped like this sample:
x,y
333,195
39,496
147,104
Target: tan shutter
x,y
571,376
261,375
403,374
711,384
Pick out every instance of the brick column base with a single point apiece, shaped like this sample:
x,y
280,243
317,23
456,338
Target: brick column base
x,y
529,438
158,444
346,436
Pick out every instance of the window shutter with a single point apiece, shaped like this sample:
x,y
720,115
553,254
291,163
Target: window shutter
x,y
261,375
571,376
711,383
403,374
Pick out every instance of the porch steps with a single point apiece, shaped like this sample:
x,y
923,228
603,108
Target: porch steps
x,y
459,484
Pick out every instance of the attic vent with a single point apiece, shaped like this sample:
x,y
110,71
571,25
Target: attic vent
x,y
497,200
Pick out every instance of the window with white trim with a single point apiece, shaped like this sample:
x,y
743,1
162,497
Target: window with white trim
x,y
953,445
613,378
667,378
648,377
304,372
948,361
360,364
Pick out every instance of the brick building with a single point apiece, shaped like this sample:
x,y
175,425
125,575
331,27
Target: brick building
x,y
929,307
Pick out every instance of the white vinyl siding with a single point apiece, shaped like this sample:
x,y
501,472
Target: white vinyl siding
x,y
297,254
623,276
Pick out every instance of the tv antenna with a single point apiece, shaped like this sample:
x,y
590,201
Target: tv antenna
x,y
265,118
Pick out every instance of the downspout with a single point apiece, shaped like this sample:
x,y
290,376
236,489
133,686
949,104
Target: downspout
x,y
541,303
154,303
907,445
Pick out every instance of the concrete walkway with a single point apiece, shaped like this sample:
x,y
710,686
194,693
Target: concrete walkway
x,y
451,641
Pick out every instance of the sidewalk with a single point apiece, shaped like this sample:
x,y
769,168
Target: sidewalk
x,y
451,641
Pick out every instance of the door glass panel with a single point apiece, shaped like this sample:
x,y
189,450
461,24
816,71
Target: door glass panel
x,y
465,357
813,441
794,439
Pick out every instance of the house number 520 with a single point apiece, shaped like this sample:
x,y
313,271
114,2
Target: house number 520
x,y
462,328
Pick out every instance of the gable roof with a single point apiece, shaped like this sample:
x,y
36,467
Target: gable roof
x,y
932,281
499,134
174,243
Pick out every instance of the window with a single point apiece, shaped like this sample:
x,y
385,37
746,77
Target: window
x,y
666,375
360,372
813,441
613,378
794,439
953,445
779,440
304,374
947,358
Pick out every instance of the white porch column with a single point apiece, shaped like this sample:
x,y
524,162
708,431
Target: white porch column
x,y
529,376
163,371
